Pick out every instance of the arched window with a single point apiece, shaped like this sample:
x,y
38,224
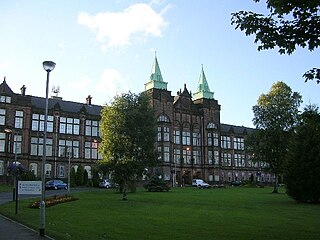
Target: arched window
x,y
163,118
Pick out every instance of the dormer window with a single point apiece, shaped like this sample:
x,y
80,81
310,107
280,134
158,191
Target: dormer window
x,y
5,99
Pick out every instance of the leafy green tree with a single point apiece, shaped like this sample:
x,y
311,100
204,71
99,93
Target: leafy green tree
x,y
275,116
289,25
303,167
128,128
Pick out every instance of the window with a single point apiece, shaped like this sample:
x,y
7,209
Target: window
x,y
163,118
37,146
225,142
2,142
2,116
92,128
5,99
61,171
66,145
216,157
176,136
196,157
238,143
34,168
18,121
187,156
210,158
69,125
38,123
48,168
166,154
91,150
213,138
163,134
196,139
186,138
17,140
176,156
226,159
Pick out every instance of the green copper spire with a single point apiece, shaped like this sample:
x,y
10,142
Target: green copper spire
x,y
203,90
156,80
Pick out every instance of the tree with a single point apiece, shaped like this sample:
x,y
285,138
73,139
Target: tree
x,y
275,116
289,25
302,172
80,176
128,128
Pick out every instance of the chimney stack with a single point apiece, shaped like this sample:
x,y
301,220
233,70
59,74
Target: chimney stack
x,y
23,90
88,99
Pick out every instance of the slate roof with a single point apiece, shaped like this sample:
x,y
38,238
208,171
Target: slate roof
x,y
67,106
237,130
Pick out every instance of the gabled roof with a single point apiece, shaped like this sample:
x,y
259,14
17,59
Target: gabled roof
x,y
5,89
156,80
203,90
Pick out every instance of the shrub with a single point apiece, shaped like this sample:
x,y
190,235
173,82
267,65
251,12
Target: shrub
x,y
156,184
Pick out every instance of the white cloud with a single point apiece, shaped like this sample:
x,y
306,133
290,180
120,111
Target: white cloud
x,y
116,29
83,84
111,83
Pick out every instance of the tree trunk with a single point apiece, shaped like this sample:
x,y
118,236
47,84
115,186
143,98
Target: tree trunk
x,y
275,187
124,192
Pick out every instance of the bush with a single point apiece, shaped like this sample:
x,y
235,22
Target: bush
x,y
156,184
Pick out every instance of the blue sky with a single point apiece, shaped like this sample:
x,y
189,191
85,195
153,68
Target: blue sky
x,y
103,48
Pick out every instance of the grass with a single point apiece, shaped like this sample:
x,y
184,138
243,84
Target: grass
x,y
182,213
6,188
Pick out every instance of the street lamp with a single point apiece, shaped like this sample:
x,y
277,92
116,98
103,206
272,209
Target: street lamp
x,y
48,67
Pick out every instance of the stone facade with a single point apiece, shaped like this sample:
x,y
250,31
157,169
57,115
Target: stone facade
x,y
191,140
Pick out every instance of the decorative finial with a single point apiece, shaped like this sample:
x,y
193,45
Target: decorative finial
x,y
155,53
4,79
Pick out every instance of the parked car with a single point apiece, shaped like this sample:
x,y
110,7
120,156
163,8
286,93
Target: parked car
x,y
105,184
236,183
200,183
56,184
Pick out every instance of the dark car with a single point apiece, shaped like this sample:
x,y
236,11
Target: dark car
x,y
236,183
56,184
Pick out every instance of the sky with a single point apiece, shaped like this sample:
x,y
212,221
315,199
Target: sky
x,y
104,48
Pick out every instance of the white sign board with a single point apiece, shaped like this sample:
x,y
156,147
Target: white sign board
x,y
29,187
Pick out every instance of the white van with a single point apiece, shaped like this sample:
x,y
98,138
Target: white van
x,y
199,183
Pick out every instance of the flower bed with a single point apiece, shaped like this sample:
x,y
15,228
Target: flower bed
x,y
56,199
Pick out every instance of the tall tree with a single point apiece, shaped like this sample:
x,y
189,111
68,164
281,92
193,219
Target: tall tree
x,y
275,115
128,128
289,25
303,167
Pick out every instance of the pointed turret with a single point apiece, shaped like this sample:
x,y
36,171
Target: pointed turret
x,y
203,90
156,80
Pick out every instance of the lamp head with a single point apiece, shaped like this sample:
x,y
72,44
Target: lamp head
x,y
48,65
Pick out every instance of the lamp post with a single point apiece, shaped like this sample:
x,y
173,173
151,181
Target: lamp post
x,y
48,67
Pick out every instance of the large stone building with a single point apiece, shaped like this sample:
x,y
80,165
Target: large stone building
x,y
191,140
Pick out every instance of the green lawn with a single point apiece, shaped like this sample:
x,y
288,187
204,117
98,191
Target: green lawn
x,y
182,213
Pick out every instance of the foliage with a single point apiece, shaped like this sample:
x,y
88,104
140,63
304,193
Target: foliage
x,y
275,116
52,201
156,184
95,176
16,169
85,177
289,25
73,177
27,176
80,176
302,171
128,129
